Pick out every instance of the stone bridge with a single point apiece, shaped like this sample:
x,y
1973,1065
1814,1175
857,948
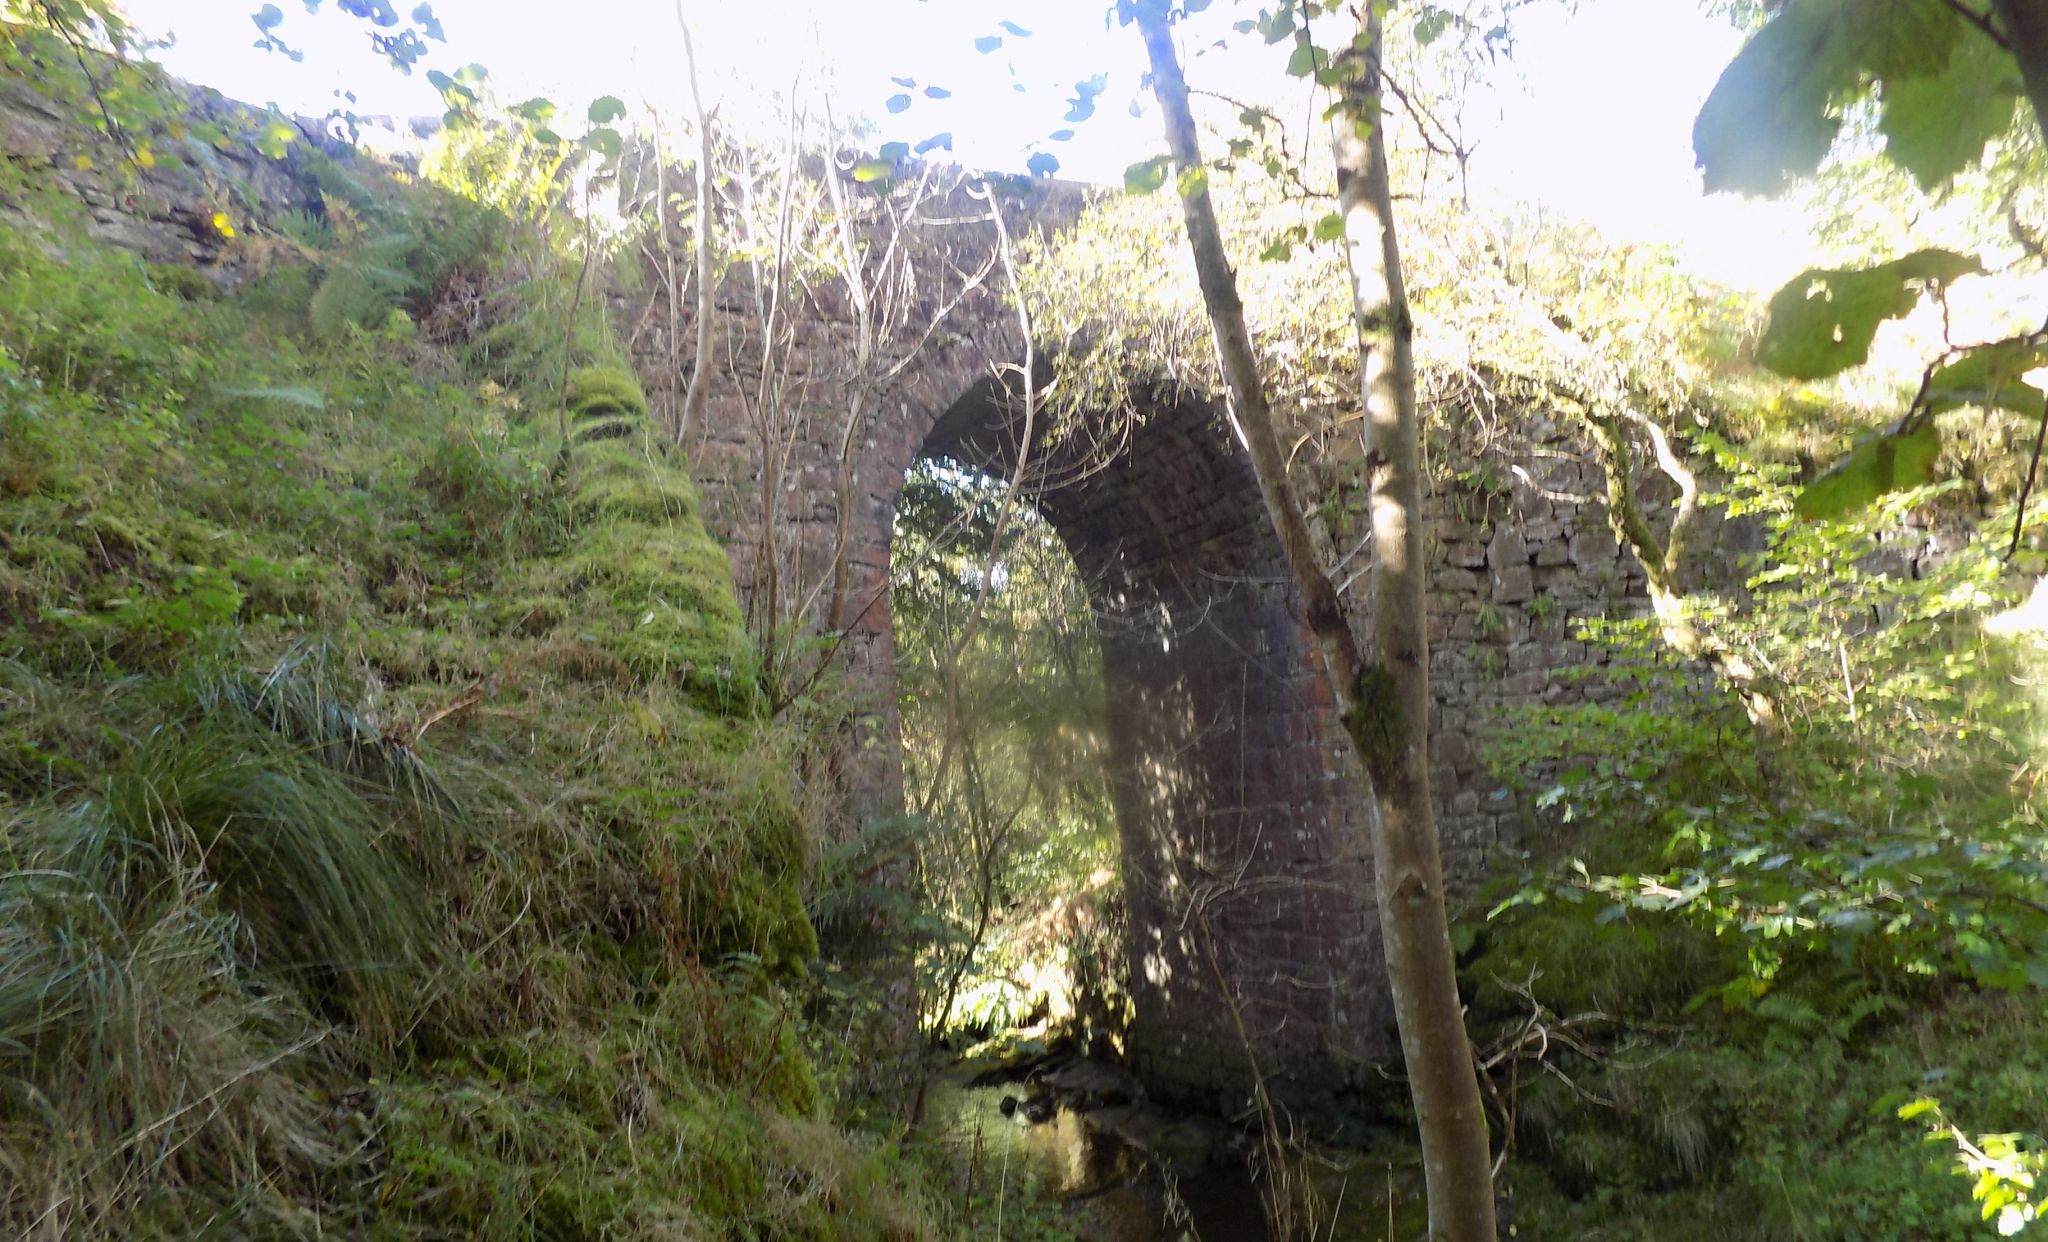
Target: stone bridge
x,y
1240,812
1239,805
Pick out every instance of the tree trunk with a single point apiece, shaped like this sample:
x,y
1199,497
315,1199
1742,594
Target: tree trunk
x,y
1663,562
700,370
1409,871
1385,707
2026,33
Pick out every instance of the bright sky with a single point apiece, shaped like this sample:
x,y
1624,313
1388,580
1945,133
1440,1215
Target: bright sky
x,y
1594,119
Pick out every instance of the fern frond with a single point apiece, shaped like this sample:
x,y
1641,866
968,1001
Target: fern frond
x,y
350,297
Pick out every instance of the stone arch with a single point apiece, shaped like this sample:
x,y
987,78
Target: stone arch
x,y
1254,943
1254,940
1235,792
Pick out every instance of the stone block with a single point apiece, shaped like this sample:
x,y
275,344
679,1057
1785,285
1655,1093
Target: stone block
x,y
1454,581
1506,548
1466,554
1513,584
1455,749
1593,544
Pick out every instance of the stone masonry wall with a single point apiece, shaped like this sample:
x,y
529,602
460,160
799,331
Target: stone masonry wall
x,y
1240,813
1521,554
165,214
1239,807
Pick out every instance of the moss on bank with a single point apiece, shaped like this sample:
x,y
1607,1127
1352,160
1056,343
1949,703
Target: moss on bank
x,y
391,843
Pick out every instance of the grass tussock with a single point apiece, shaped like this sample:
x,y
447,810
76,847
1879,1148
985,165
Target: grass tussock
x,y
391,840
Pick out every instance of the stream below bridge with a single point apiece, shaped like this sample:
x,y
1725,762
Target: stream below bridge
x,y
1080,1133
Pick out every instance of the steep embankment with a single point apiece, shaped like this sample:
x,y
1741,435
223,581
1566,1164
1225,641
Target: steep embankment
x,y
391,842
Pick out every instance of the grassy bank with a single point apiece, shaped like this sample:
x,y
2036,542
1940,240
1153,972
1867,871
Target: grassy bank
x,y
392,840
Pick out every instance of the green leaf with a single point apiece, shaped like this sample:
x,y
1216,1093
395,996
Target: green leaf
x,y
605,141
1877,465
944,138
1935,126
1901,38
1145,176
937,92
1330,227
1191,181
540,109
1775,110
1823,320
1989,377
893,151
605,109
988,43
872,170
897,103
1307,59
276,138
268,18
1431,24
1914,1109
1043,164
1767,117
1281,248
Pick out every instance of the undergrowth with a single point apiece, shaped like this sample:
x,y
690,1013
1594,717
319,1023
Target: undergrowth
x,y
393,841
1709,1002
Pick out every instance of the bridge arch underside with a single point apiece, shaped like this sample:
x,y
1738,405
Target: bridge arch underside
x,y
1254,941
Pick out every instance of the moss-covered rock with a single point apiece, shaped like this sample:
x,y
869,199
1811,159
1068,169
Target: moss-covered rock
x,y
657,596
628,480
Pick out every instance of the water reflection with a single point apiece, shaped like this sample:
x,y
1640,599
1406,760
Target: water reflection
x,y
1114,1192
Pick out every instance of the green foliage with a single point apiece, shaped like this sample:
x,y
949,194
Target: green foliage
x,y
1884,846
2005,1169
1989,377
301,855
1771,1128
362,293
390,845
1776,111
1778,936
165,925
1936,125
402,246
1948,86
1823,321
1016,842
1878,465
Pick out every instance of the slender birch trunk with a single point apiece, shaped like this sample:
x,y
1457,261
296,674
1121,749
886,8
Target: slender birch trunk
x,y
699,391
1385,705
1409,869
